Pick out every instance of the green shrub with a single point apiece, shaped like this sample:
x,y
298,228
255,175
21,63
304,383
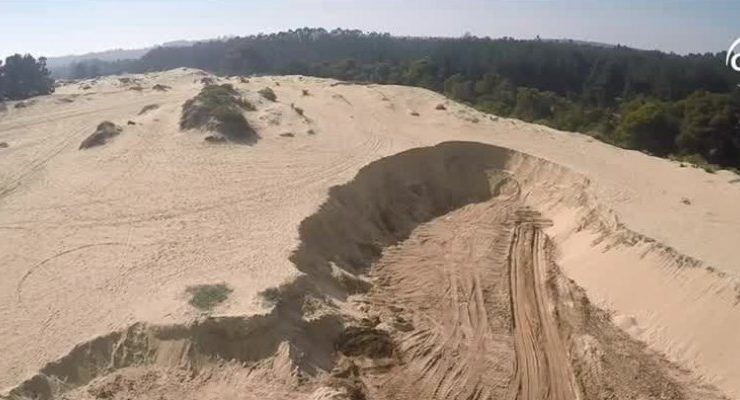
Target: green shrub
x,y
206,297
219,108
271,296
105,131
161,88
148,108
268,93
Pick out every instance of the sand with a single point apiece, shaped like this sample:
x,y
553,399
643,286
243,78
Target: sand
x,y
618,284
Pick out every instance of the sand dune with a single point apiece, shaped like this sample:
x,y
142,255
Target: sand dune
x,y
378,246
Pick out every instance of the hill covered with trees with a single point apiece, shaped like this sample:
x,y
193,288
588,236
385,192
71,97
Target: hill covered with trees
x,y
24,76
665,104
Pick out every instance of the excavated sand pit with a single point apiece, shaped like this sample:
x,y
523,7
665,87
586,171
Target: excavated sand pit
x,y
431,275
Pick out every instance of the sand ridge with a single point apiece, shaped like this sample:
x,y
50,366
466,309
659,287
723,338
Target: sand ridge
x,y
156,209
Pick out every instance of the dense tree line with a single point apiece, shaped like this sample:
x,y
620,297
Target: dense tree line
x,y
24,76
666,104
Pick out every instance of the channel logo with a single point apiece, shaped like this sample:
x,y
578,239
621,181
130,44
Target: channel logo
x,y
733,58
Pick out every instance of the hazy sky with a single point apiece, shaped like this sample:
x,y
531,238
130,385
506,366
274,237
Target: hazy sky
x,y
59,27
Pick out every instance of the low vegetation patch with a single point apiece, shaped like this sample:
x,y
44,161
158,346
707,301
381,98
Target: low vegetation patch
x,y
148,108
215,139
247,105
161,88
297,109
271,296
105,131
67,99
24,104
695,161
206,297
268,93
218,108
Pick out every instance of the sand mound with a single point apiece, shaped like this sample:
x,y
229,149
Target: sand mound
x,y
218,108
428,270
105,131
495,319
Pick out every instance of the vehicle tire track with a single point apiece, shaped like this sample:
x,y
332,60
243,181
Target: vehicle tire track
x,y
542,367
442,280
30,271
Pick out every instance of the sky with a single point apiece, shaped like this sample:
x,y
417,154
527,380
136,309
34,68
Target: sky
x,y
61,27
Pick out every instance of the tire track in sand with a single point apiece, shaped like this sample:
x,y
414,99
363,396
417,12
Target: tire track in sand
x,y
542,367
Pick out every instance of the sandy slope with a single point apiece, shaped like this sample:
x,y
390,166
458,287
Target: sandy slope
x,y
94,241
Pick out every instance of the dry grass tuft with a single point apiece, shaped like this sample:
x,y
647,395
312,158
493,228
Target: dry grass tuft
x,y
105,131
218,108
268,93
